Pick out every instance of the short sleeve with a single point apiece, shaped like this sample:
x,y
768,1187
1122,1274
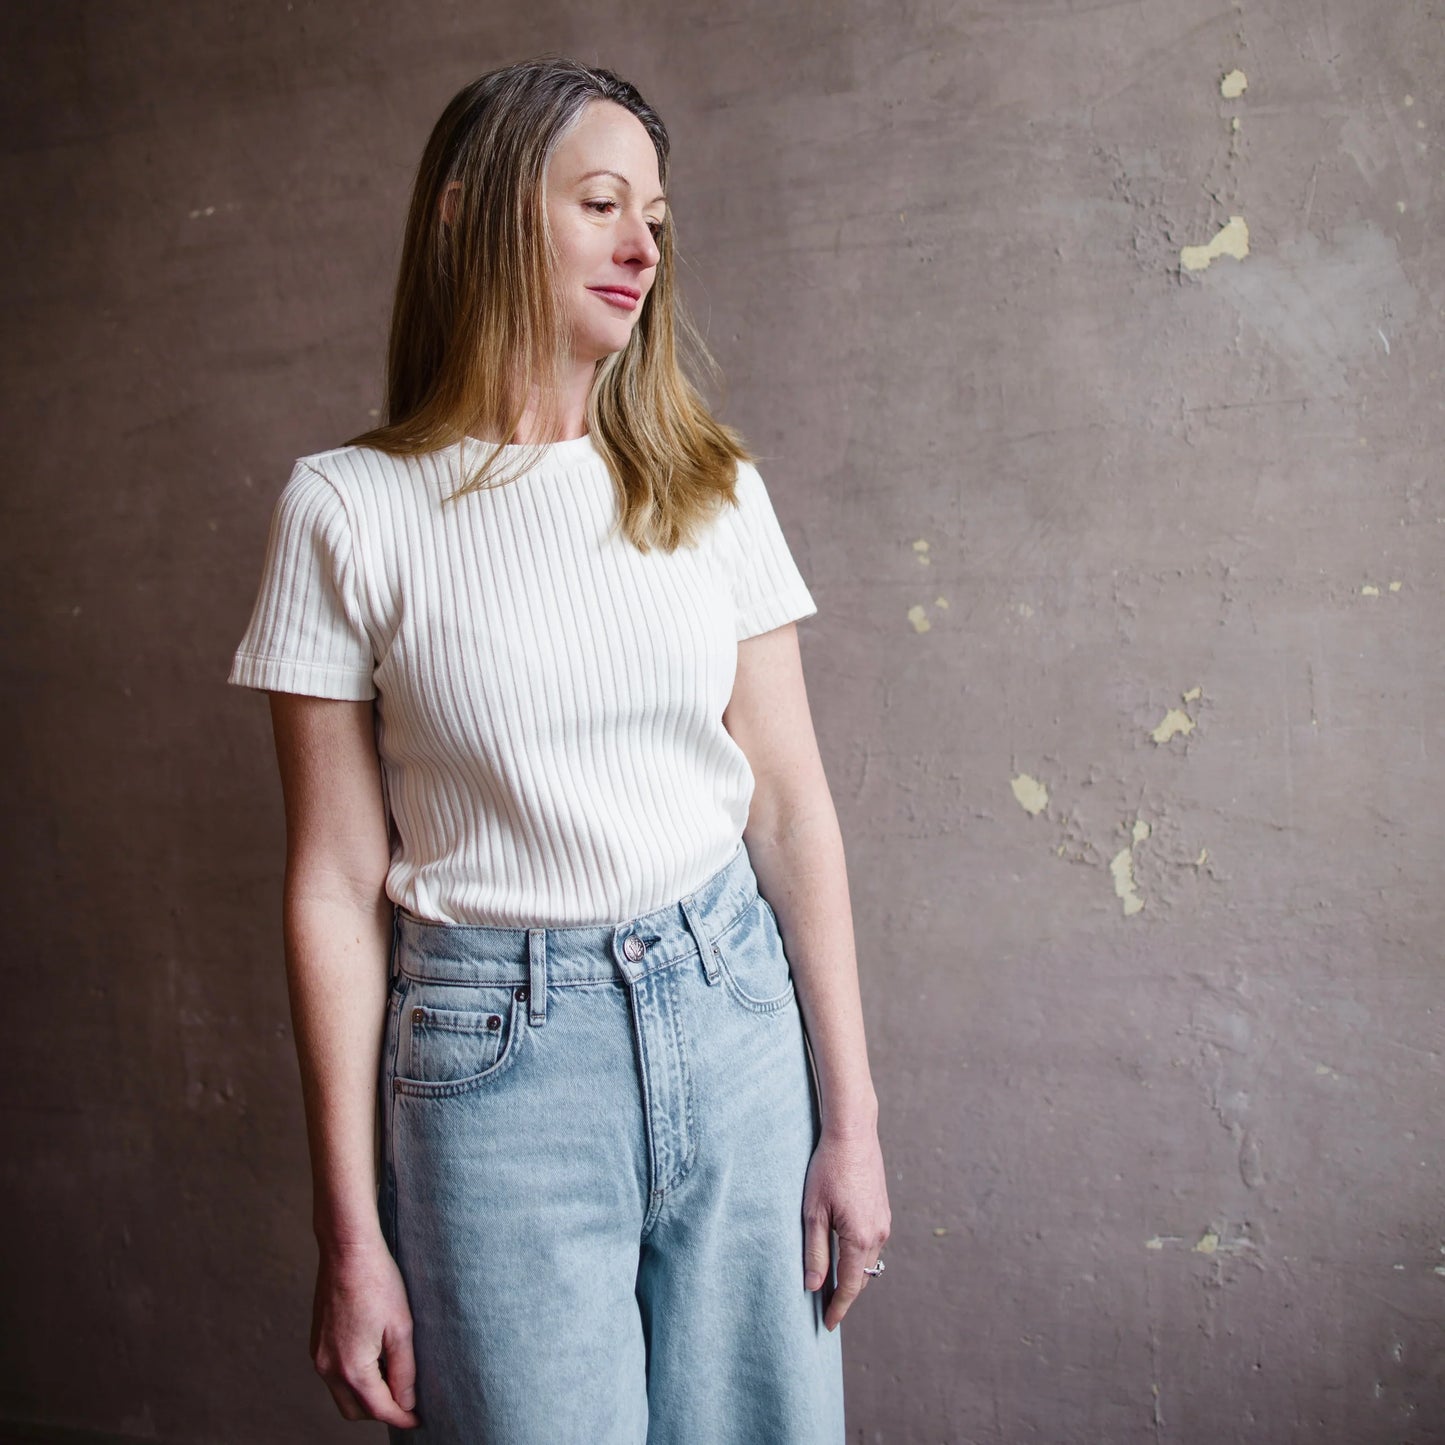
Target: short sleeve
x,y
768,589
306,632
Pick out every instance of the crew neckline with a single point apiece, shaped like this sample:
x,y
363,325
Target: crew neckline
x,y
574,449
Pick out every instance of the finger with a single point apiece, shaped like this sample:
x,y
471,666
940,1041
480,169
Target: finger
x,y
851,1259
346,1401
399,1368
816,1256
371,1390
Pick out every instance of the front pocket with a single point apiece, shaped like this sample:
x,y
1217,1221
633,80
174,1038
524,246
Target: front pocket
x,y
453,1033
753,963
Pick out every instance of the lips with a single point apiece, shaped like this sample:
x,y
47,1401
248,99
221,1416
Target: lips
x,y
623,297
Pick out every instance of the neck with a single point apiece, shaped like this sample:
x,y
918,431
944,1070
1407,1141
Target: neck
x,y
569,414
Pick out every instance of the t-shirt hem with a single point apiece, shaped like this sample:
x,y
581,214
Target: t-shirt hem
x,y
280,674
774,612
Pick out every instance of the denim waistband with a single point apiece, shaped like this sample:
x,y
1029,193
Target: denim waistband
x,y
585,953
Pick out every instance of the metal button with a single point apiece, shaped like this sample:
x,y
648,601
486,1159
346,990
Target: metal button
x,y
520,994
418,1015
494,1021
634,947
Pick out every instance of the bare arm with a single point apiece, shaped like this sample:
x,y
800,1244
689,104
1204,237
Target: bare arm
x,y
337,923
796,847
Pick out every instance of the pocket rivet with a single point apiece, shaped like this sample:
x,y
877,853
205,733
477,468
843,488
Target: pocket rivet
x,y
521,994
494,1021
418,1015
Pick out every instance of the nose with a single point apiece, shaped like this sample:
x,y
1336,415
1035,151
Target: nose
x,y
635,244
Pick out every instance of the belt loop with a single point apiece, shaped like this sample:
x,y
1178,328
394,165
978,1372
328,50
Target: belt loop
x,y
705,947
537,975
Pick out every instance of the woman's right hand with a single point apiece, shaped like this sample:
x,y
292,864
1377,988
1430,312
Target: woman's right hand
x,y
361,1336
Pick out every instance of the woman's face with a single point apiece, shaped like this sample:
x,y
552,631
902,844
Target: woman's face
x,y
605,208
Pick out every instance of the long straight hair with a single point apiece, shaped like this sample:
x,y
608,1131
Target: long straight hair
x,y
477,328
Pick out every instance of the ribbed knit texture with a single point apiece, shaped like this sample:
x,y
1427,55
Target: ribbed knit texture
x,y
549,698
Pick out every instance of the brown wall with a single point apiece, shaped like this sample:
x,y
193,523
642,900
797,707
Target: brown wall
x,y
1170,1174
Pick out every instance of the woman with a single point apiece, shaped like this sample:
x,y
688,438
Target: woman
x,y
553,803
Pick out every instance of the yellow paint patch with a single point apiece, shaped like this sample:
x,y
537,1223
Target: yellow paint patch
x,y
920,548
1208,1243
1203,858
1233,85
1025,610
1141,830
1234,122
1032,796
1121,866
1194,694
1231,240
919,618
1394,587
1368,591
1176,720
1155,1243
939,1233
941,602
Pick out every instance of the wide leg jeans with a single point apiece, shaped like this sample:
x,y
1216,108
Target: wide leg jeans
x,y
594,1146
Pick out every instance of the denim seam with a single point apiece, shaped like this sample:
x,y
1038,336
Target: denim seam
x,y
689,1115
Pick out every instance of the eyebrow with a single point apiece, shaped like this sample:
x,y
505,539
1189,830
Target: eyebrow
x,y
618,176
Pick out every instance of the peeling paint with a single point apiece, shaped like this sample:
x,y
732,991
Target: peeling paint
x,y
1369,591
1121,866
1231,240
1233,85
1208,1243
920,548
1176,720
919,618
941,602
1194,694
1395,586
1032,796
1141,830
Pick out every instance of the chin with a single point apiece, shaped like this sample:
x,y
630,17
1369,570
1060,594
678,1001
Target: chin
x,y
599,348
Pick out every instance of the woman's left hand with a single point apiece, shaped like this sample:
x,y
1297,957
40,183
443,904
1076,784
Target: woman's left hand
x,y
846,1190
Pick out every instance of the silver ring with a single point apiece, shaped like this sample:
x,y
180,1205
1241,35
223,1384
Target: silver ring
x,y
877,1268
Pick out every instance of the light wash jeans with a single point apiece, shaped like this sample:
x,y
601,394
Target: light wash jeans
x,y
594,1146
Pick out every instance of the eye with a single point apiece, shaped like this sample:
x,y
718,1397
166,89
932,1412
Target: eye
x,y
656,227
600,208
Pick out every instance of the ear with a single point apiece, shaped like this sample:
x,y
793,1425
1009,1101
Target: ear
x,y
447,204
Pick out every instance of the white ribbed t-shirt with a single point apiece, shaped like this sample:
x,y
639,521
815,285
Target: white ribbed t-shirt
x,y
549,699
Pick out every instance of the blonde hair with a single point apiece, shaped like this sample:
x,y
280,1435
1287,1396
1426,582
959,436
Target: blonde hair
x,y
480,285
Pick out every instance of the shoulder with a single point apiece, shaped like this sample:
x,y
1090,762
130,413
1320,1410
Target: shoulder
x,y
371,486
354,468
